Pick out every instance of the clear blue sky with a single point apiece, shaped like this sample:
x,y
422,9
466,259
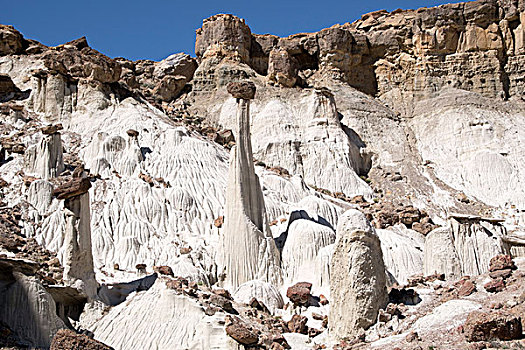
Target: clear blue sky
x,y
154,29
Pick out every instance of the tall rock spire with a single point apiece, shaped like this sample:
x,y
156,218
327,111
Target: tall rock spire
x,y
78,259
247,248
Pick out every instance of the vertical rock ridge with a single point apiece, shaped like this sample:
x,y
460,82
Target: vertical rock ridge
x,y
45,159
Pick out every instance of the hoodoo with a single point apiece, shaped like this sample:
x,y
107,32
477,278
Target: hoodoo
x,y
358,279
78,258
248,249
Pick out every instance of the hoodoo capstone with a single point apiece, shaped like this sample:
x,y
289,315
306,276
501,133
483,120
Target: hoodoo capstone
x,y
248,249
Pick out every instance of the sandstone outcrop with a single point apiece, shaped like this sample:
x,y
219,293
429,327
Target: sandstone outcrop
x,y
159,81
358,279
224,36
464,248
473,46
245,217
82,62
11,41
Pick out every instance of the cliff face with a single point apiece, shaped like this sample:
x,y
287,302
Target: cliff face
x,y
401,57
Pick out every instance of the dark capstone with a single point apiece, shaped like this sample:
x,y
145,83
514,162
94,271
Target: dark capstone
x,y
243,89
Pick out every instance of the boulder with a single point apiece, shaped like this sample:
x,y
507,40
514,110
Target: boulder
x,y
495,286
466,288
299,293
51,129
505,273
242,333
163,270
501,262
298,324
481,326
69,340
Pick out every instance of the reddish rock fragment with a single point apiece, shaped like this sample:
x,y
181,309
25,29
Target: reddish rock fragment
x,y
495,286
298,324
501,262
68,340
299,293
482,326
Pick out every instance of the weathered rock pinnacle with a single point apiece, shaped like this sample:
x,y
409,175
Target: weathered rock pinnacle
x,y
248,250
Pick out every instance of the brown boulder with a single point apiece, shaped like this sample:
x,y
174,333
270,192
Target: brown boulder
x,y
223,293
243,89
224,137
72,188
222,302
482,326
68,340
219,221
132,133
299,293
505,273
466,287
501,262
298,324
163,270
241,332
177,284
259,305
495,286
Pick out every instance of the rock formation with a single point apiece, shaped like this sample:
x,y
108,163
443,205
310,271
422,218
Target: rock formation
x,y
247,248
465,247
413,117
45,159
357,279
78,257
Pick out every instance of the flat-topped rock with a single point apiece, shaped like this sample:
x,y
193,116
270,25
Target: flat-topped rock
x,y
73,188
132,133
243,89
51,129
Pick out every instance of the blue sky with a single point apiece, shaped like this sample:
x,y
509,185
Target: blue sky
x,y
154,29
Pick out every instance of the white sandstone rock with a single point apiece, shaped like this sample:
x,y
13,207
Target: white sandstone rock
x,y
357,278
